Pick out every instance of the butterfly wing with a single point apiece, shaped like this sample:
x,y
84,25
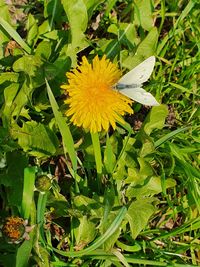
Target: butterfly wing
x,y
140,73
140,95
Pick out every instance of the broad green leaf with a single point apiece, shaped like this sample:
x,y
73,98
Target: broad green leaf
x,y
128,35
144,16
85,232
4,36
155,119
53,12
87,204
6,142
22,97
91,5
145,168
4,12
138,215
58,204
33,67
147,147
138,175
144,50
13,178
45,28
10,93
77,15
37,139
67,59
43,50
109,5
152,187
32,30
9,77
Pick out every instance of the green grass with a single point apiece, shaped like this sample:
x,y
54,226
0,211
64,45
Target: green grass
x,y
129,197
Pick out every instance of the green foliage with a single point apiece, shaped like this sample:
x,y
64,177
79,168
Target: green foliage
x,y
129,196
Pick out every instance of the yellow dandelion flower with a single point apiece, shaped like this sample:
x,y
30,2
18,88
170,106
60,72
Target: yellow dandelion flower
x,y
93,103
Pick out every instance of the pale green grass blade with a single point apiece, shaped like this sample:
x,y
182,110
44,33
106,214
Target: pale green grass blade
x,y
183,14
103,255
13,34
114,226
169,136
121,257
68,142
28,191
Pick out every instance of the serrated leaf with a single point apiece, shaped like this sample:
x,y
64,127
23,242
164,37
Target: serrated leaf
x,y
151,188
37,139
138,215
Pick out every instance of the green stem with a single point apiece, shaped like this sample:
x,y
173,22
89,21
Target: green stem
x,y
28,191
41,206
97,155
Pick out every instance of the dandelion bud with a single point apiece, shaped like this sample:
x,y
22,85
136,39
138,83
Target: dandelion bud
x,y
43,183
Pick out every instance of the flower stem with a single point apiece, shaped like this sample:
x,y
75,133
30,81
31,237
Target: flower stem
x,y
97,155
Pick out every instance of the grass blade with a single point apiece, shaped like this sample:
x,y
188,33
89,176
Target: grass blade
x,y
114,226
68,142
13,34
169,136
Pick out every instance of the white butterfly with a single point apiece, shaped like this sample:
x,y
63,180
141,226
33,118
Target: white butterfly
x,y
131,83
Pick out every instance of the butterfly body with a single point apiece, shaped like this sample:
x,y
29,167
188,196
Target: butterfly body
x,y
131,83
121,86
